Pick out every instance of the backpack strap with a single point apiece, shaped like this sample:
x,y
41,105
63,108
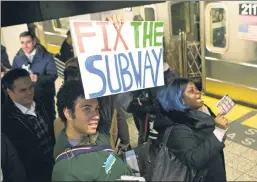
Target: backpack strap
x,y
73,152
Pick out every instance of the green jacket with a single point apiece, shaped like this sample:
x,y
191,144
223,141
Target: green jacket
x,y
87,167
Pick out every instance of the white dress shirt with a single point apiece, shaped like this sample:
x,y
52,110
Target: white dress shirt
x,y
31,55
26,110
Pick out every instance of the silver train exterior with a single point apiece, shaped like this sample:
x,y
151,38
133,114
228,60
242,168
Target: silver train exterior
x,y
230,67
202,42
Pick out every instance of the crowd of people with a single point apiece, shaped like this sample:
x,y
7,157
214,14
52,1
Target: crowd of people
x,y
85,149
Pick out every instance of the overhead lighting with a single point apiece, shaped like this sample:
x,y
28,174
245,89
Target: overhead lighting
x,y
128,9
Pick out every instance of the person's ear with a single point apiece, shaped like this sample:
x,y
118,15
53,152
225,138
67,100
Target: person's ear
x,y
10,93
34,42
67,114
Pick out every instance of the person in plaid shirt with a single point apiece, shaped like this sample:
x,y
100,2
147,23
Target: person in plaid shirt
x,y
26,123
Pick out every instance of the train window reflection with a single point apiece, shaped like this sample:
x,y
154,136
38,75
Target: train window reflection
x,y
218,27
61,24
179,20
149,14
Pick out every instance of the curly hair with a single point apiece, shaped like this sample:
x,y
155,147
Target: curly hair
x,y
72,73
67,96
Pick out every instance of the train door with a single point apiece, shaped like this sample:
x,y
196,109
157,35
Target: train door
x,y
55,33
183,52
149,13
230,56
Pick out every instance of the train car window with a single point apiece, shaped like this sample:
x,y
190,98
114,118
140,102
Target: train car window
x,y
61,24
149,14
179,17
216,35
218,27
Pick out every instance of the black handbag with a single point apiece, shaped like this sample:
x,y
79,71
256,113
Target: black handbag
x,y
165,166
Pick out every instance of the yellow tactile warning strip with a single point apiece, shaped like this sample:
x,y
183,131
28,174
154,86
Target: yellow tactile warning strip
x,y
251,122
237,112
243,129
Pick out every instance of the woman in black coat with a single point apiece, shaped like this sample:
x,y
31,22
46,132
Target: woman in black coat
x,y
197,136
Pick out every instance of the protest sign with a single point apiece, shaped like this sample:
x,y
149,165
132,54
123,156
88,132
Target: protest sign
x,y
118,58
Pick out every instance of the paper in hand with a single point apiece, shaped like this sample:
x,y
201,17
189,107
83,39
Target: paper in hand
x,y
225,104
27,67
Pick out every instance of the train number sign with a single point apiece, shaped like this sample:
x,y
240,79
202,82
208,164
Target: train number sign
x,y
248,9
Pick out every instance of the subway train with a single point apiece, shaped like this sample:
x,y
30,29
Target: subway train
x,y
212,43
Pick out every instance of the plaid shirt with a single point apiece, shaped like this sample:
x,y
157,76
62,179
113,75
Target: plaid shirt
x,y
42,132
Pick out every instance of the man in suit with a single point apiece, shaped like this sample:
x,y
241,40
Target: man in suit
x,y
27,125
41,65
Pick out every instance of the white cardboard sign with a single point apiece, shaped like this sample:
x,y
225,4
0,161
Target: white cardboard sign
x,y
118,58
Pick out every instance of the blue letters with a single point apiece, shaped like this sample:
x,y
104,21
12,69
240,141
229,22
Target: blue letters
x,y
89,64
147,58
124,71
109,75
158,60
125,65
137,74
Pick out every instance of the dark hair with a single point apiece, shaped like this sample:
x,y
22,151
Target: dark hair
x,y
72,62
12,75
2,68
4,95
72,73
26,34
138,18
67,96
68,33
170,96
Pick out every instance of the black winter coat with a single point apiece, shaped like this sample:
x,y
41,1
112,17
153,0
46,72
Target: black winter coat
x,y
12,168
193,142
107,106
15,125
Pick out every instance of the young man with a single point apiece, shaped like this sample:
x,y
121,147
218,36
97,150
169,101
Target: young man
x,y
107,104
81,118
41,65
26,123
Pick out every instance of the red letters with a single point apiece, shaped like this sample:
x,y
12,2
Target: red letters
x,y
103,25
80,35
119,36
105,38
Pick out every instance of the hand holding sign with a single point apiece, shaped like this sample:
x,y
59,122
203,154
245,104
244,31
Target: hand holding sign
x,y
221,121
115,19
225,104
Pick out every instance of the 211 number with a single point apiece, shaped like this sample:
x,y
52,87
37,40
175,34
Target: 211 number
x,y
249,9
